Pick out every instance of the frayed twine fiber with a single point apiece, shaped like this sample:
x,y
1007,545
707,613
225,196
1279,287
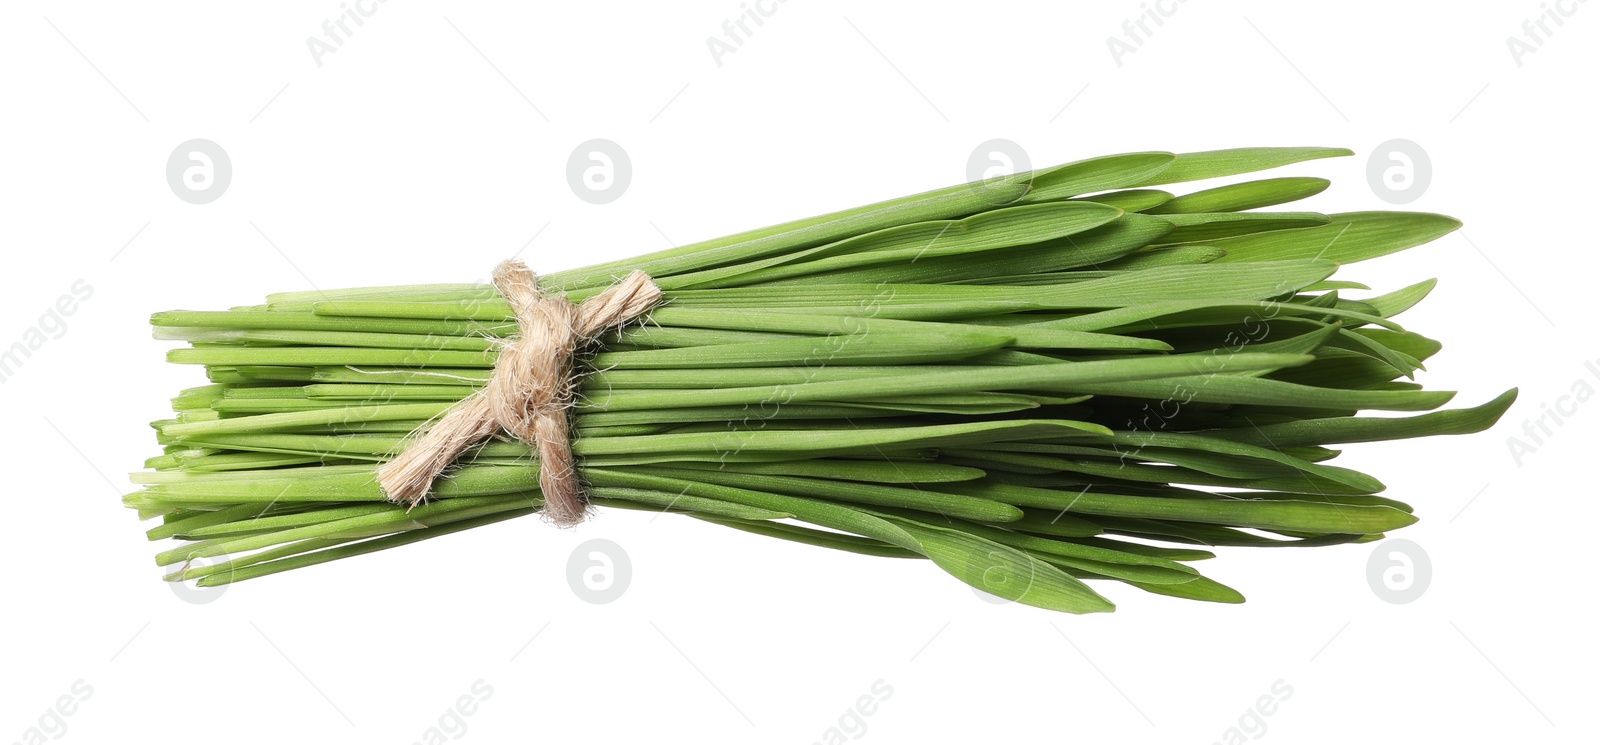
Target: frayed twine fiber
x,y
530,393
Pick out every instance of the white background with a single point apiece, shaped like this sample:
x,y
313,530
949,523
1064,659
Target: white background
x,y
434,143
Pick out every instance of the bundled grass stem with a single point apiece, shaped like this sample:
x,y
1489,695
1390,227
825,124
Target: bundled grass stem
x,y
1037,382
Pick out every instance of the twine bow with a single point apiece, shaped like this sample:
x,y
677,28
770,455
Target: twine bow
x,y
530,393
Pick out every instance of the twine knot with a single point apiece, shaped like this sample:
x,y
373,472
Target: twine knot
x,y
530,394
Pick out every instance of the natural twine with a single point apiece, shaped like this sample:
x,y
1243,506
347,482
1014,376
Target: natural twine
x,y
530,393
